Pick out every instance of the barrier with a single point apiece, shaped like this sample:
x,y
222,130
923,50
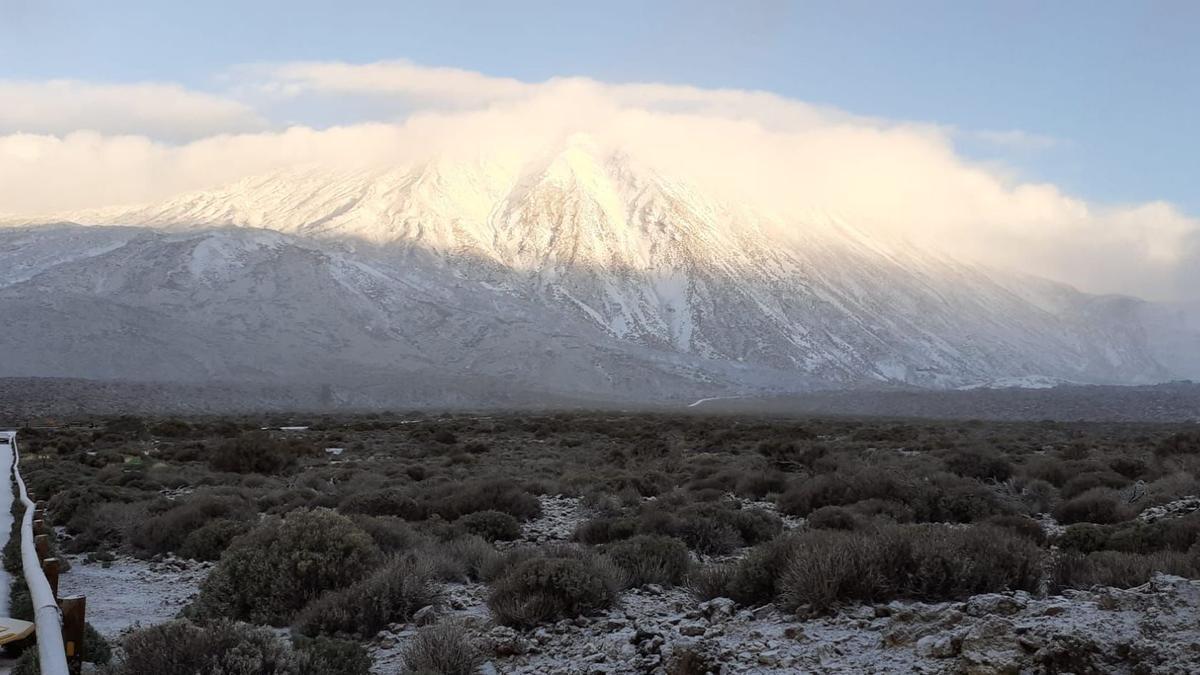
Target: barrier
x,y
47,617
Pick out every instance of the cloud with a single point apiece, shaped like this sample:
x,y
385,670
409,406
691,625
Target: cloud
x,y
788,158
157,110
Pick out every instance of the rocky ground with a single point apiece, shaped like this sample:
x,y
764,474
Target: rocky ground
x,y
128,592
1144,630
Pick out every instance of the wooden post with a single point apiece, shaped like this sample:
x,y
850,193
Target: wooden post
x,y
39,526
50,569
73,622
41,544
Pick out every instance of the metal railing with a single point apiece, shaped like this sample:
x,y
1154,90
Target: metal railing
x,y
47,617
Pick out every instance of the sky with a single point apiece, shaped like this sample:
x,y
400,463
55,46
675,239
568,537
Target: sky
x,y
1059,137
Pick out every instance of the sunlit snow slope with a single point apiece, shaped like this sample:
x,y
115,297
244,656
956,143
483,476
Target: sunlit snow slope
x,y
581,271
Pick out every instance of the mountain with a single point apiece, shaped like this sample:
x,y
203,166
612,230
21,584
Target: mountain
x,y
577,273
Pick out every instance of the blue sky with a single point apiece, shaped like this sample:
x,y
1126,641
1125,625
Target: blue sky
x,y
1111,89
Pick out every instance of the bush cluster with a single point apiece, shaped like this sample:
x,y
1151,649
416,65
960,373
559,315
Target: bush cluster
x,y
273,571
650,559
555,586
391,594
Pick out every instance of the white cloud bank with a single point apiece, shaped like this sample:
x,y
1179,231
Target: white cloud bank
x,y
157,110
787,156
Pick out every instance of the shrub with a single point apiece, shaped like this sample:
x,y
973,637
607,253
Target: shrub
x,y
489,495
979,464
444,649
758,485
491,525
462,559
930,563
605,529
752,580
1098,505
650,559
258,452
1093,479
328,656
1175,534
391,594
1023,526
211,539
553,587
167,531
223,648
390,534
1129,467
1182,443
278,567
1084,537
833,518
1119,569
386,502
840,489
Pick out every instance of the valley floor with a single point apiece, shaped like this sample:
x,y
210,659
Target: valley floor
x,y
606,543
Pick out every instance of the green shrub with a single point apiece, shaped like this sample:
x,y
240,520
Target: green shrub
x,y
212,538
553,587
271,572
391,594
491,525
650,559
444,649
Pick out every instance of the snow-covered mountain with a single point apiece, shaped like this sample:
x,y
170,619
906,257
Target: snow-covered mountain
x,y
580,272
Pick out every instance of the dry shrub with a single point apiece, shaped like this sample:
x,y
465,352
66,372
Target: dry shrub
x,y
555,586
444,649
1119,569
391,594
1097,505
650,559
824,568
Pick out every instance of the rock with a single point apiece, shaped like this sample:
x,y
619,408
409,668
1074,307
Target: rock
x,y
425,616
995,603
488,668
507,642
769,657
652,589
692,629
938,646
718,608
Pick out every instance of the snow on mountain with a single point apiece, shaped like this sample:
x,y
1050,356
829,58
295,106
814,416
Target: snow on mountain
x,y
579,271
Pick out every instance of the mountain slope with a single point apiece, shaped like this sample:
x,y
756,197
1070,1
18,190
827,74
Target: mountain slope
x,y
577,271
